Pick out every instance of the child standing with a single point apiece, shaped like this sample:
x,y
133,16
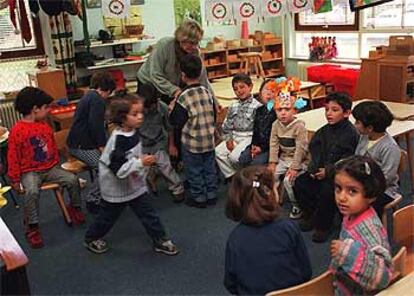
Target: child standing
x,y
238,126
258,152
33,159
361,258
288,144
122,173
87,135
264,252
154,132
314,190
372,120
194,115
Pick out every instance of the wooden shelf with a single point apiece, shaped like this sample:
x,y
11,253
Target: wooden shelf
x,y
218,76
117,42
216,65
272,60
116,64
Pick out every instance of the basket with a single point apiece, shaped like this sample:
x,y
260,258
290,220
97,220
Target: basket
x,y
134,30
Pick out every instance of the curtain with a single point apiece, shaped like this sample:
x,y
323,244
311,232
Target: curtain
x,y
63,48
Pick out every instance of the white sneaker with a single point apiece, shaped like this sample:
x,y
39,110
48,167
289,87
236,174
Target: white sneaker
x,y
295,213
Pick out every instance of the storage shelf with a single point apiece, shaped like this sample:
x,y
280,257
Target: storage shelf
x,y
218,76
216,65
272,60
117,42
116,64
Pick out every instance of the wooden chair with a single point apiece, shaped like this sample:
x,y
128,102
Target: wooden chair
x,y
58,190
398,197
321,285
249,59
403,233
399,265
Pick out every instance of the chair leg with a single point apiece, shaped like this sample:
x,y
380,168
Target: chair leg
x,y
62,205
16,205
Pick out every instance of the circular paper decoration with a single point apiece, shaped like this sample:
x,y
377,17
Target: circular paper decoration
x,y
246,9
219,11
274,6
300,3
116,7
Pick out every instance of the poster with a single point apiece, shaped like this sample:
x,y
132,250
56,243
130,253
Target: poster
x,y
184,9
321,6
219,11
361,4
115,8
246,9
299,5
272,8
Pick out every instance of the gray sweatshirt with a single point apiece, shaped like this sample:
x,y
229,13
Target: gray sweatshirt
x,y
386,153
121,173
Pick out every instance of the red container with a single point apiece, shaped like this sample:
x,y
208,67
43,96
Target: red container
x,y
118,76
321,73
345,80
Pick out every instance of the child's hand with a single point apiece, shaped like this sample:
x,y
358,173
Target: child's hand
x,y
148,160
172,150
17,187
320,174
291,175
271,167
336,246
255,150
230,145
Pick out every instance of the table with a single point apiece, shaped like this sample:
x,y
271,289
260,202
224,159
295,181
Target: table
x,y
224,92
315,119
404,286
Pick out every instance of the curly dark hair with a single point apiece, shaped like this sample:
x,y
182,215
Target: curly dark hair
x,y
241,77
30,97
373,113
341,98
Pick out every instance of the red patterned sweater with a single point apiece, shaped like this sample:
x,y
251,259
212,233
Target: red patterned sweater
x,y
31,147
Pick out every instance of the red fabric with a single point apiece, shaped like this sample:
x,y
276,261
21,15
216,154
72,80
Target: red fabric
x,y
31,148
24,22
12,8
321,73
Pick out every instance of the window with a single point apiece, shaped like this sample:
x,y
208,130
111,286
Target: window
x,y
394,14
339,19
11,44
371,40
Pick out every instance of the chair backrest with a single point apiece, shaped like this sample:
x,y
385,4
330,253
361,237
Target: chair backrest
x,y
321,285
403,162
399,265
403,227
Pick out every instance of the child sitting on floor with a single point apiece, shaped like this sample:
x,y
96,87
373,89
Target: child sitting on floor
x,y
238,126
33,159
288,141
314,189
372,120
264,252
122,177
155,132
361,258
258,152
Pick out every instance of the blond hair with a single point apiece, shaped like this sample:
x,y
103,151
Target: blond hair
x,y
189,30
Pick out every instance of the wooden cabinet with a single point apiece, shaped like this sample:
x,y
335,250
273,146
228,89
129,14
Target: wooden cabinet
x,y
226,62
52,81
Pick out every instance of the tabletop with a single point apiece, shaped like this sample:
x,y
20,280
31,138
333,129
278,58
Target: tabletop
x,y
404,286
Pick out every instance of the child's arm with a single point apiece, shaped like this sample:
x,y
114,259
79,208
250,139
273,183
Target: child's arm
x,y
228,124
390,161
368,267
274,145
301,144
179,115
96,122
13,160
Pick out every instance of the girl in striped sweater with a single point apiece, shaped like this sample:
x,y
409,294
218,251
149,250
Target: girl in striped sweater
x,y
361,259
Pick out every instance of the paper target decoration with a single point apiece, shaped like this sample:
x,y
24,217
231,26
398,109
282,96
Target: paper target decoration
x,y
272,8
115,8
218,11
300,5
246,9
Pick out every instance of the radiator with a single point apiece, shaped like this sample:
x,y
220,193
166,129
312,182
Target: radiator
x,y
8,116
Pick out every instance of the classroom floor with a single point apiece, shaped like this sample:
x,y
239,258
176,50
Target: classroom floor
x,y
64,266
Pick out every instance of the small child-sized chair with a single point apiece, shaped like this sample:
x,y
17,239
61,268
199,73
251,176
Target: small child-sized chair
x,y
403,233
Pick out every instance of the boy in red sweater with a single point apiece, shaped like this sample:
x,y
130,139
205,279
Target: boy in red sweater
x,y
33,159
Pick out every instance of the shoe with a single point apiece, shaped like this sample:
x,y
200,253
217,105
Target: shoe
x,y
92,207
320,236
177,198
306,224
212,202
98,246
34,238
166,247
192,203
76,215
295,213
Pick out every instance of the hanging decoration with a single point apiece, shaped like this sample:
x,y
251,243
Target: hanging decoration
x,y
187,9
246,9
18,8
218,11
115,8
322,6
299,5
273,8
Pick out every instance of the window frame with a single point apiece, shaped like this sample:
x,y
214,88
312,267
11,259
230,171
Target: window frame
x,y
38,51
327,28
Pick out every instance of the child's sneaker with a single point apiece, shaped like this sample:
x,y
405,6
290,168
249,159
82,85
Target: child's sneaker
x,y
295,213
34,238
76,215
166,247
98,246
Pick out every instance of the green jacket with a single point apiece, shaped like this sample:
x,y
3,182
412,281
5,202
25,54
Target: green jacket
x,y
162,68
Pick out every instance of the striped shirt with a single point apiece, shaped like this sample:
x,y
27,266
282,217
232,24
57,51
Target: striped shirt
x,y
364,262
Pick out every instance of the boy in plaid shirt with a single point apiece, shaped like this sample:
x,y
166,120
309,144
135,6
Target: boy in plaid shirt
x,y
193,114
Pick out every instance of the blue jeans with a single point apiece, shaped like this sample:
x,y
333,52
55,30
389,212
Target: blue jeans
x,y
200,169
246,159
